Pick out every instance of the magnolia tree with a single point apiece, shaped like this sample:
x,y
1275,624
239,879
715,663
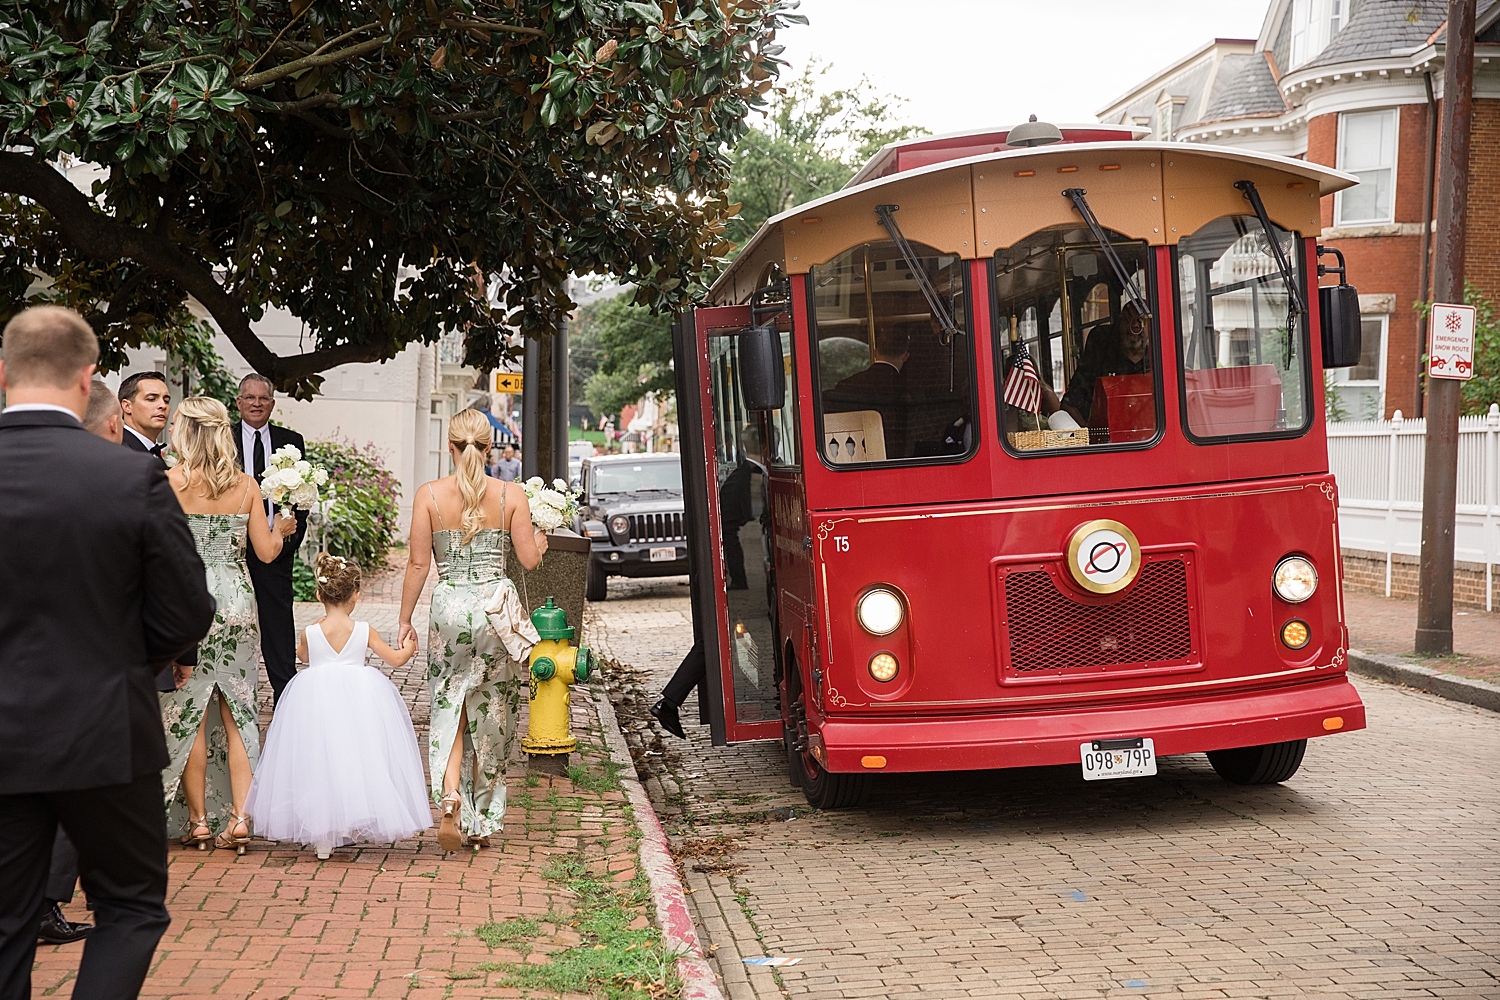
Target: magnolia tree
x,y
366,166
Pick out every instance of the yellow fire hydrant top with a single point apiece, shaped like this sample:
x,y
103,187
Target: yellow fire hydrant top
x,y
555,664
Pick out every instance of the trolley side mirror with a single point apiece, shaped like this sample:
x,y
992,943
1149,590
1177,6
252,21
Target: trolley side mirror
x,y
762,371
1338,308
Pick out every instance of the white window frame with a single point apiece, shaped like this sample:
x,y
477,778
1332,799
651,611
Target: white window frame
x,y
1394,152
1342,378
1314,25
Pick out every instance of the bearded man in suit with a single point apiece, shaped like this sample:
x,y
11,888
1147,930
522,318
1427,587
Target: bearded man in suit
x,y
145,403
100,585
257,439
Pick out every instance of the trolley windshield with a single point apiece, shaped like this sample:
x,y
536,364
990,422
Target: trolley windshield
x,y
1077,362
891,385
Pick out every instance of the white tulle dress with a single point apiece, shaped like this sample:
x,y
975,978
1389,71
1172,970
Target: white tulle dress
x,y
340,764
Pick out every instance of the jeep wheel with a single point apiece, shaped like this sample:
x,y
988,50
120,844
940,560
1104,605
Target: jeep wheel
x,y
597,588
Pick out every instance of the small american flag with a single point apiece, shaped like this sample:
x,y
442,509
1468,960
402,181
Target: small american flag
x,y
1023,388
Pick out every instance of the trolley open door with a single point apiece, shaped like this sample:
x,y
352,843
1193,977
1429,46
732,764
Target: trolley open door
x,y
723,366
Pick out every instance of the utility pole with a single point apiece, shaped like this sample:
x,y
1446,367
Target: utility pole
x,y
1440,474
532,411
560,401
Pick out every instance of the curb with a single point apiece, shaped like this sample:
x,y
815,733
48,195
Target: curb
x,y
1398,670
698,980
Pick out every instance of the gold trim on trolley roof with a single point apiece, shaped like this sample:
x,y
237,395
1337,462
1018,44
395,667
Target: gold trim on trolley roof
x,y
1081,506
1119,692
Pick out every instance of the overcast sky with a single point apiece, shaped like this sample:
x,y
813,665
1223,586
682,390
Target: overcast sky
x,y
966,64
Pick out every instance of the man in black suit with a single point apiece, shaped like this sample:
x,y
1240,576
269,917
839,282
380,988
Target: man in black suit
x,y
104,419
880,387
257,438
145,403
99,586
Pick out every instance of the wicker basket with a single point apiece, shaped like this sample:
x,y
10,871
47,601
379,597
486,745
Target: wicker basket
x,y
1075,437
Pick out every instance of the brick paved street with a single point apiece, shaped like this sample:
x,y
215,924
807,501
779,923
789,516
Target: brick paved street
x,y
1388,625
1372,873
395,921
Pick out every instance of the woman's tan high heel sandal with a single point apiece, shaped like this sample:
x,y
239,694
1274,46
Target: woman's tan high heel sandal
x,y
204,840
229,839
449,839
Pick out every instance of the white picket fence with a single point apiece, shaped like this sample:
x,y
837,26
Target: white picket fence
x,y
1378,465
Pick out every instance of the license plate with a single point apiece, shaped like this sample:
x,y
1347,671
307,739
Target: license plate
x,y
663,555
1133,757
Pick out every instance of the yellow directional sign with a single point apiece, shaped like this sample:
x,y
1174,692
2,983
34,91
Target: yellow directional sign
x,y
506,382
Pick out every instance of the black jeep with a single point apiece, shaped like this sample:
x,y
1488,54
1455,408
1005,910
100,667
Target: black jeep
x,y
632,510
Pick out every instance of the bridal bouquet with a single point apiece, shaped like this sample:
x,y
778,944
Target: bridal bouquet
x,y
292,482
551,507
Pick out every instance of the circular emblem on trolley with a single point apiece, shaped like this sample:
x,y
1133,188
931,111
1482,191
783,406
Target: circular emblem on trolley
x,y
1103,556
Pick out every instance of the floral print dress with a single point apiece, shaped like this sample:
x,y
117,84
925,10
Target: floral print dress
x,y
227,667
468,668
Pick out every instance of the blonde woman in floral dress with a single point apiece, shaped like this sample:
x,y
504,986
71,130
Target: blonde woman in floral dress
x,y
468,522
211,719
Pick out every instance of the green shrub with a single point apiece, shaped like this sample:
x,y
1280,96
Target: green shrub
x,y
304,587
365,519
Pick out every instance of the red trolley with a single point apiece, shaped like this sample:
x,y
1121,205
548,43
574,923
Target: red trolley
x,y
1007,456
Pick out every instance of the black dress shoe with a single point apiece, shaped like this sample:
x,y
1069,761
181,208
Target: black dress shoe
x,y
58,929
666,714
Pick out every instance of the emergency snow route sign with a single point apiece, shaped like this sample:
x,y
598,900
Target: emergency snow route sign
x,y
1452,351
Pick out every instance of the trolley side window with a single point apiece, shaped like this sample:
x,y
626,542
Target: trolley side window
x,y
1076,359
891,385
1244,353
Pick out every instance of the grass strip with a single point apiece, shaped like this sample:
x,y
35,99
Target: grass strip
x,y
611,960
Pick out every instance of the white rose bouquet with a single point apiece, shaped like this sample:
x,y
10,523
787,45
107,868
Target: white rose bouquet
x,y
551,507
292,482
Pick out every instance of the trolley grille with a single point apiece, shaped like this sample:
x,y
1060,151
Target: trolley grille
x,y
1150,626
656,527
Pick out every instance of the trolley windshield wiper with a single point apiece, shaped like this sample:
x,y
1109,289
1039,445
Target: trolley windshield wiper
x,y
946,327
1127,283
1295,307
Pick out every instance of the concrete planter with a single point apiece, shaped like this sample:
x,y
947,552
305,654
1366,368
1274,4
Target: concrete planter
x,y
561,576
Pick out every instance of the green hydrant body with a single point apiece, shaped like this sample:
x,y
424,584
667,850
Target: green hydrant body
x,y
555,665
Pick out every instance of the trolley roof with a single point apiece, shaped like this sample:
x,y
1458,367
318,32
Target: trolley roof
x,y
1129,185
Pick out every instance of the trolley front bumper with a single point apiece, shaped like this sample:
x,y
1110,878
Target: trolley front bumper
x,y
1042,738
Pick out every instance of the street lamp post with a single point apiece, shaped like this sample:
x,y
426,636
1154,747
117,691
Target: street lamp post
x,y
1440,474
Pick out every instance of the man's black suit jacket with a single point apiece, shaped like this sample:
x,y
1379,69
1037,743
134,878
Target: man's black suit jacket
x,y
132,442
280,438
100,585
165,681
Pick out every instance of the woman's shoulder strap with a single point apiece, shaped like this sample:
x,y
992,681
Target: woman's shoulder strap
x,y
437,510
241,508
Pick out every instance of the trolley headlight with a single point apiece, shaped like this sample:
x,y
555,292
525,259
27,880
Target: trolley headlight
x,y
619,526
880,611
1294,580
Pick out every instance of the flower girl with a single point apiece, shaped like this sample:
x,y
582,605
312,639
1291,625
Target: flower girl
x,y
341,763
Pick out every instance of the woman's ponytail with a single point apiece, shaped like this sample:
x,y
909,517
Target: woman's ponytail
x,y
470,434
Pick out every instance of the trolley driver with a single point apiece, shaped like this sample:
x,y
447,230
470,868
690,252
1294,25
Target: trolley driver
x,y
1121,350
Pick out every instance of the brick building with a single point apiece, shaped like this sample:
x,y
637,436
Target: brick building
x,y
1357,85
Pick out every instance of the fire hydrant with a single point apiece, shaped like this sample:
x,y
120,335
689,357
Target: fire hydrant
x,y
555,664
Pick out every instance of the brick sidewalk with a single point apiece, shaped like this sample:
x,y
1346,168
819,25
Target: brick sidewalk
x,y
1388,625
398,920
1372,873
